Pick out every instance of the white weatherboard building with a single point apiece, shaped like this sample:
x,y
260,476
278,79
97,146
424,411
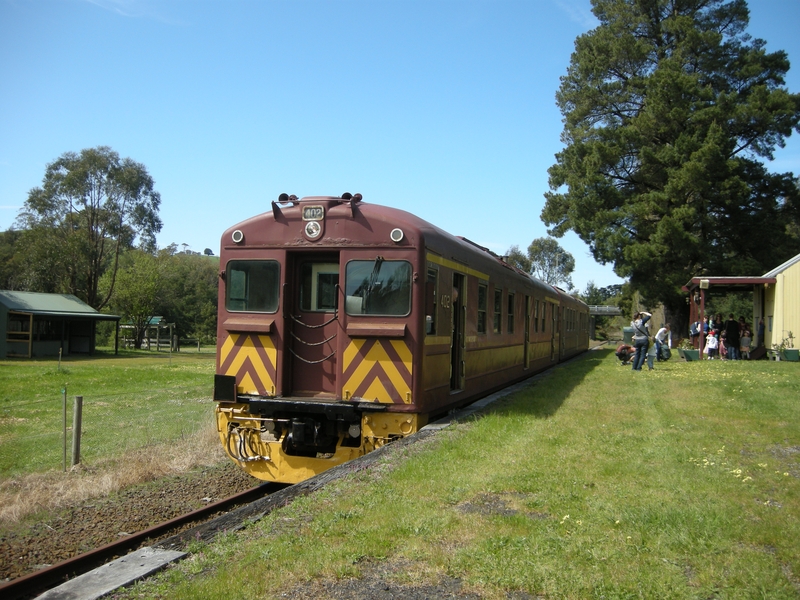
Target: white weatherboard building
x,y
776,301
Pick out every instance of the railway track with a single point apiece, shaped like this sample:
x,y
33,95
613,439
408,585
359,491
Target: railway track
x,y
250,505
38,582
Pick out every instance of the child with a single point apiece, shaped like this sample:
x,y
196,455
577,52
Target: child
x,y
723,347
744,345
711,345
651,355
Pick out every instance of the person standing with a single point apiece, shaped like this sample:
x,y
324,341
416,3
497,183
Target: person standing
x,y
711,345
651,354
744,346
718,324
641,338
694,332
663,335
732,337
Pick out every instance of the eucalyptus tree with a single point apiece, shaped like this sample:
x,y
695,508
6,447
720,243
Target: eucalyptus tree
x,y
546,260
670,110
90,208
140,286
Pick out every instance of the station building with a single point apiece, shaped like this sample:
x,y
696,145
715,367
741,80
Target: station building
x,y
33,324
776,301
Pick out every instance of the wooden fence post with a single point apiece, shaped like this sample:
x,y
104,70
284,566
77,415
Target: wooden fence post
x,y
77,418
64,459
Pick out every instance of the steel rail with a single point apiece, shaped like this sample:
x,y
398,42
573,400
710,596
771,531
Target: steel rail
x,y
39,581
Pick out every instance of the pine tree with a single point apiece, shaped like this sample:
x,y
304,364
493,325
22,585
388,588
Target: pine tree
x,y
670,109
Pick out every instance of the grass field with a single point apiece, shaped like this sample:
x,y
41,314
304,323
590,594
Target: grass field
x,y
129,401
594,482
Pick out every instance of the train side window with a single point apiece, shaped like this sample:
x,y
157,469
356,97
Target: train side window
x,y
483,294
431,294
497,326
536,316
252,286
511,308
378,287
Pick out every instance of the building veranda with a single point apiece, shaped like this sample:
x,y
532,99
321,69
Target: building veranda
x,y
34,324
776,303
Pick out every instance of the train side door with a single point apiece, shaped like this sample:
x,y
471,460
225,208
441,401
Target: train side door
x,y
554,310
313,325
458,312
527,348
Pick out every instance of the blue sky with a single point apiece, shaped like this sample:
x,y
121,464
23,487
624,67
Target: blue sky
x,y
445,108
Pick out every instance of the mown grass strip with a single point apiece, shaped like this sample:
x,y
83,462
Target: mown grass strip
x,y
130,401
594,482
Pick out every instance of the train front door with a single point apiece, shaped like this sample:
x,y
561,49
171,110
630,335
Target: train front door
x,y
314,325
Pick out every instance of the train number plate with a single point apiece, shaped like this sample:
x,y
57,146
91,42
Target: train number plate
x,y
313,213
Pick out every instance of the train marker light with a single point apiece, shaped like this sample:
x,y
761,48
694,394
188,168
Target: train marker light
x,y
397,235
237,236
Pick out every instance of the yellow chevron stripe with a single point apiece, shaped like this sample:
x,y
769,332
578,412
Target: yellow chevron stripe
x,y
378,355
247,386
249,350
377,392
404,353
351,352
227,346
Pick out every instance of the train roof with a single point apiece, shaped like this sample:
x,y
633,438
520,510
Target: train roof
x,y
415,229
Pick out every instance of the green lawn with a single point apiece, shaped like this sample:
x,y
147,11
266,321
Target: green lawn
x,y
595,482
129,401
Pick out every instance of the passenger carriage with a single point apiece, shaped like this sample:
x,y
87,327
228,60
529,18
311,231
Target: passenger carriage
x,y
344,325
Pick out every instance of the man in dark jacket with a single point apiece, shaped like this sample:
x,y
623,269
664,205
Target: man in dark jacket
x,y
732,337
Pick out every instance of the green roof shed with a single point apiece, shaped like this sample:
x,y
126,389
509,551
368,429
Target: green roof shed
x,y
36,324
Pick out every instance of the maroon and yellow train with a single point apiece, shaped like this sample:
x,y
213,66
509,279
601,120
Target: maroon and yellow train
x,y
345,325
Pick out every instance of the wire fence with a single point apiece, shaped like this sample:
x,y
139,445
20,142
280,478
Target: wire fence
x,y
32,433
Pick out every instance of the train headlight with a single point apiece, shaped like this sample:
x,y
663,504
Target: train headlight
x,y
354,431
397,235
237,236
